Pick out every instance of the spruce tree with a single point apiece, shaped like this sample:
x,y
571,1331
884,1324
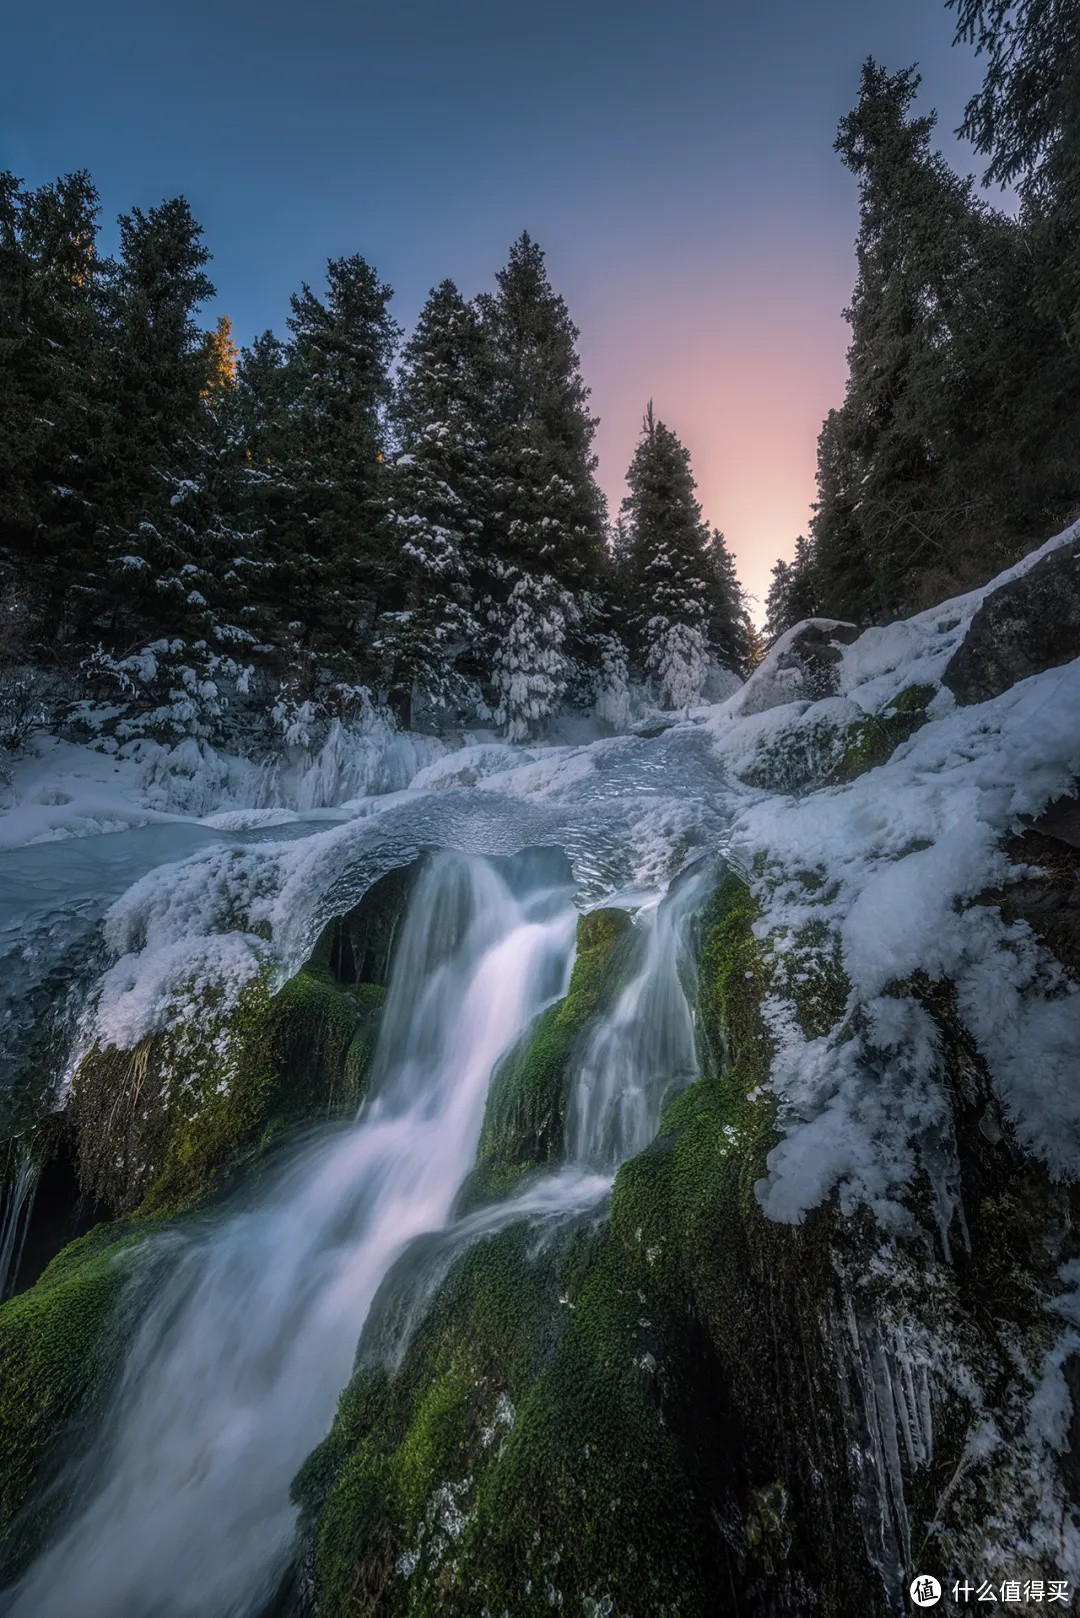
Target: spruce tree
x,y
726,621
53,399
683,586
1026,120
793,593
543,541
159,363
327,423
955,448
426,639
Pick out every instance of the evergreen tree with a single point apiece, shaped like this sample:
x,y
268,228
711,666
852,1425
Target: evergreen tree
x,y
159,363
312,425
52,398
1026,119
543,541
726,619
955,446
155,365
425,641
793,592
683,586
222,356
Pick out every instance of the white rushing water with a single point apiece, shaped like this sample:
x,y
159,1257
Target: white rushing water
x,y
236,1368
639,1055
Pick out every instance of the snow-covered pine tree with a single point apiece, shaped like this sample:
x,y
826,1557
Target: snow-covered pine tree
x,y
543,535
327,426
185,614
426,639
157,368
682,581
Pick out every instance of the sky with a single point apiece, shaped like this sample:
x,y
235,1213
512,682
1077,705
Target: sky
x,y
673,159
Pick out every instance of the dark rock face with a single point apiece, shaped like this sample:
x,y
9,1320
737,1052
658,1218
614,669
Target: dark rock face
x,y
806,670
816,653
1028,625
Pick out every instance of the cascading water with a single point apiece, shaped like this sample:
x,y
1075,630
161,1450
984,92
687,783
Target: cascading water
x,y
235,1370
645,1050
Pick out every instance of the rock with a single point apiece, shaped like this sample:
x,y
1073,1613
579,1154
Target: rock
x,y
802,666
1029,624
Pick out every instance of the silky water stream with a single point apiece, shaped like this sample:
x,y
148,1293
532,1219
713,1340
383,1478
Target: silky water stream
x,y
181,1503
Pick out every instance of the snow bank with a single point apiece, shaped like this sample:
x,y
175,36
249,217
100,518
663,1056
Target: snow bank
x,y
901,854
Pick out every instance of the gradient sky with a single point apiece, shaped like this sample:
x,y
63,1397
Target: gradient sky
x,y
674,160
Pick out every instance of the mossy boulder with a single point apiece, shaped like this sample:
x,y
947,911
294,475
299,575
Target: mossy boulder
x,y
158,1127
525,1120
832,742
60,1345
518,1461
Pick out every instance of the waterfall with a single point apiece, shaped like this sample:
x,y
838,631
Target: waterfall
x,y
232,1377
18,1182
640,1055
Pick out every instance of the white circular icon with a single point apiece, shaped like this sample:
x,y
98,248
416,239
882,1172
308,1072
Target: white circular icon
x,y
925,1590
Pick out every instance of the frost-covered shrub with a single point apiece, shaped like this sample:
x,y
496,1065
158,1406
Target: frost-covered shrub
x,y
612,686
29,701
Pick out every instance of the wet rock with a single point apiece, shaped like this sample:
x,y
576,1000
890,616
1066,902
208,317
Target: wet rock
x,y
1030,624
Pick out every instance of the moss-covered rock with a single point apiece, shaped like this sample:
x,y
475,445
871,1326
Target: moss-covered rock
x,y
60,1344
158,1126
832,742
873,740
524,1123
657,1452
517,1462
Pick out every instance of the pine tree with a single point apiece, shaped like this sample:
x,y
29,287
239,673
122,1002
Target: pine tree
x,y
426,638
1026,119
52,397
683,584
222,356
319,444
543,542
955,446
793,592
726,619
159,362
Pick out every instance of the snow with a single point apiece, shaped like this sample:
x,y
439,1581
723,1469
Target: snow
x,y
889,876
61,789
900,855
958,787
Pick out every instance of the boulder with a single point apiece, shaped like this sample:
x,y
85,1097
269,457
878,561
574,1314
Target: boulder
x,y
1028,624
802,666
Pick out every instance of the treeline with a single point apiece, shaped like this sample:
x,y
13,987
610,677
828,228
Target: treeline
x,y
329,518
957,446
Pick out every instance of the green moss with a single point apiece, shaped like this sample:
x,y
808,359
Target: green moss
x,y
517,1461
873,740
913,699
59,1345
158,1126
370,1000
524,1124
